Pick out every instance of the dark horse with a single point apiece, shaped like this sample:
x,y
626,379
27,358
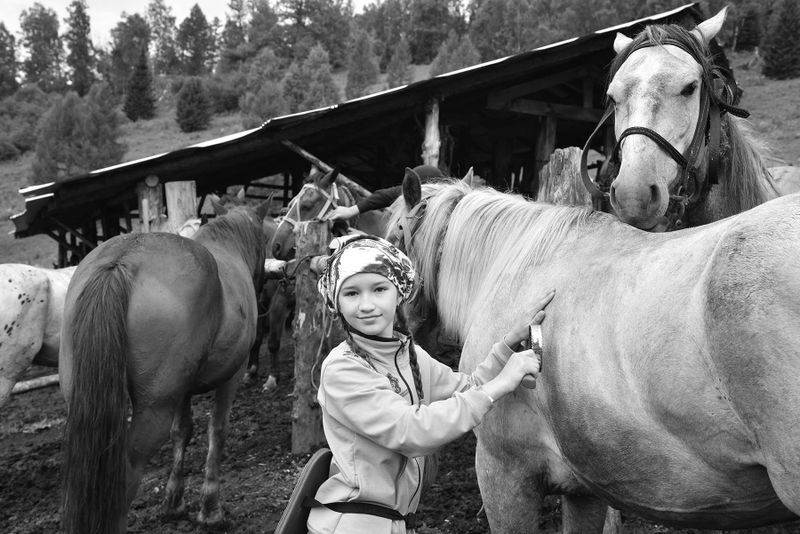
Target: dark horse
x,y
154,318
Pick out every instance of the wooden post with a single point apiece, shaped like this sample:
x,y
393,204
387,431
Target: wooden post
x,y
560,180
150,204
545,141
313,327
433,139
181,203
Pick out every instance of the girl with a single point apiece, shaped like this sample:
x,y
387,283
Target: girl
x,y
385,402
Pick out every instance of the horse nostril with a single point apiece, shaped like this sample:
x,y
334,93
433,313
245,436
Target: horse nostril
x,y
612,193
655,195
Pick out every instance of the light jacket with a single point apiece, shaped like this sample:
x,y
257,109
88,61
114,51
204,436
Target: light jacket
x,y
378,432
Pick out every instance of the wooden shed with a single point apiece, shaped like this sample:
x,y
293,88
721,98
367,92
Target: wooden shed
x,y
502,117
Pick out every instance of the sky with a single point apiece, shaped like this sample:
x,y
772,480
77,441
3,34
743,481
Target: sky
x,y
105,14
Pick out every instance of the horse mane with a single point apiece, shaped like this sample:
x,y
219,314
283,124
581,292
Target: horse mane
x,y
238,228
743,174
471,241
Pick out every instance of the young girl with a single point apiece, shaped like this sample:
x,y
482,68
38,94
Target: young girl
x,y
385,402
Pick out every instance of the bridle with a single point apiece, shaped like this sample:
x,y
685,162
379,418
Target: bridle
x,y
331,202
716,93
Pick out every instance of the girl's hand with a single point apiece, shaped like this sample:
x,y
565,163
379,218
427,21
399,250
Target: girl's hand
x,y
519,365
520,333
341,212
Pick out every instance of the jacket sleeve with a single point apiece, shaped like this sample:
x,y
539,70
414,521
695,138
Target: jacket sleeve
x,y
445,382
382,198
363,401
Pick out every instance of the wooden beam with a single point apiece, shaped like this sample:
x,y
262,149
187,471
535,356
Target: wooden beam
x,y
548,109
75,233
324,167
506,95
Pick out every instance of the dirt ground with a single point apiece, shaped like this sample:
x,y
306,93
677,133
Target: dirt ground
x,y
258,471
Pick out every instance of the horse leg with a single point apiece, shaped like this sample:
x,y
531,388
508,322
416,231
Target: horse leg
x,y
181,433
149,429
211,512
582,513
512,496
251,375
278,311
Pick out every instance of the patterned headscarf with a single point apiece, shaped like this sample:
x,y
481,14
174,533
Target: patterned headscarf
x,y
365,255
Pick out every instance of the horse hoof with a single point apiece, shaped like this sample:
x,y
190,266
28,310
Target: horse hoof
x,y
248,379
211,518
171,511
270,385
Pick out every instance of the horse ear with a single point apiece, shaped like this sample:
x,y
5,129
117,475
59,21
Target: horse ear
x,y
468,178
708,29
412,188
240,194
263,209
621,42
328,179
219,209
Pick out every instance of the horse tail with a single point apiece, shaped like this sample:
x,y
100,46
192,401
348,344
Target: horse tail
x,y
95,458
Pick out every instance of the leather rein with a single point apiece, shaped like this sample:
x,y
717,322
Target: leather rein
x,y
691,186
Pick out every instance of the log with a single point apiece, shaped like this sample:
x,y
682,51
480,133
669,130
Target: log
x,y
181,203
315,332
325,167
433,138
35,383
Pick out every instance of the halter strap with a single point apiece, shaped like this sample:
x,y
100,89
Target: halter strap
x,y
331,201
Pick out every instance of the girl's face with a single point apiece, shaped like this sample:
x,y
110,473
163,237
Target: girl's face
x,y
368,302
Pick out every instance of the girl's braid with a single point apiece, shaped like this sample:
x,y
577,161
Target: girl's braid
x,y
412,353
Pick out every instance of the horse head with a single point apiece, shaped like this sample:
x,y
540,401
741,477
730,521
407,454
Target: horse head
x,y
319,195
663,84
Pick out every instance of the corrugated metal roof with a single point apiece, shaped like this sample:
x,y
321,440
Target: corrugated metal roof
x,y
41,198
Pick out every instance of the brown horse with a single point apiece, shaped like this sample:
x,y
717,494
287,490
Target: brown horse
x,y
684,154
154,318
671,369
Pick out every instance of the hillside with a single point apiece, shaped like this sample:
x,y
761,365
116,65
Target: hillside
x,y
774,107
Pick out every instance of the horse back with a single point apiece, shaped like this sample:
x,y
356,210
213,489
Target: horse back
x,y
173,310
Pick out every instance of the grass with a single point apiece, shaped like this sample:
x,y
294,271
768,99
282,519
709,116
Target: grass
x,y
774,106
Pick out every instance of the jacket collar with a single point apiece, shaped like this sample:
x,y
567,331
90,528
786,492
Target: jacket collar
x,y
381,348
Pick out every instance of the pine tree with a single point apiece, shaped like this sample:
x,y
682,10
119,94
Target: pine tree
x,y
80,58
8,63
101,128
140,103
128,38
40,38
430,24
263,97
441,63
59,141
362,69
398,71
266,103
465,54
295,85
749,29
321,90
782,42
196,43
193,111
162,29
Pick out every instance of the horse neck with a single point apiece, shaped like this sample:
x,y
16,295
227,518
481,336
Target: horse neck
x,y
744,181
235,239
487,245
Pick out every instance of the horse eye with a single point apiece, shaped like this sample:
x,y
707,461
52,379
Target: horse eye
x,y
689,89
